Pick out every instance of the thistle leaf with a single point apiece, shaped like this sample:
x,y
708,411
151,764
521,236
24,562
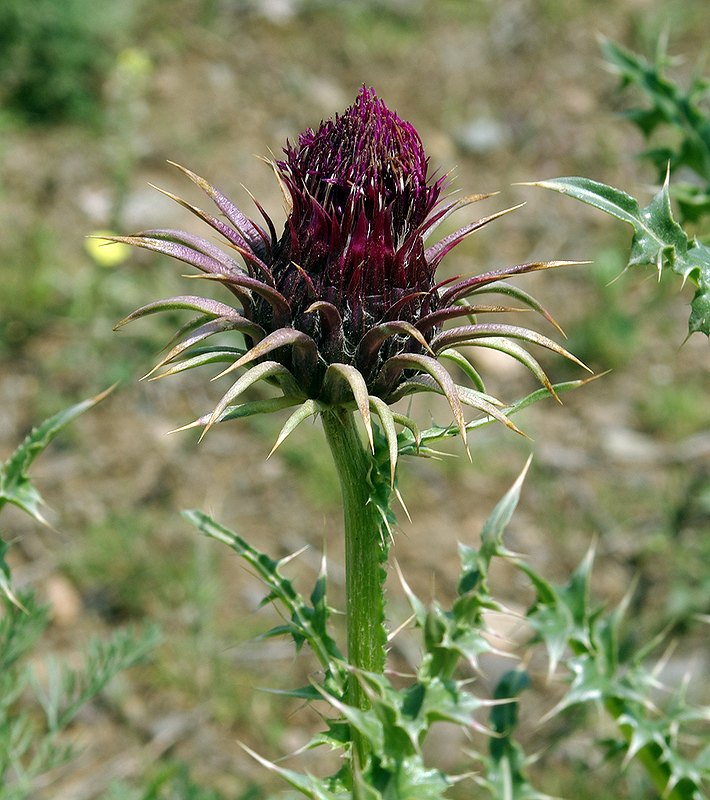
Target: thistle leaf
x,y
242,410
439,374
658,240
471,285
231,235
6,587
480,402
410,424
409,447
15,486
189,241
217,266
433,223
504,776
205,355
308,785
465,366
436,252
196,335
304,623
372,341
502,287
463,309
520,354
283,337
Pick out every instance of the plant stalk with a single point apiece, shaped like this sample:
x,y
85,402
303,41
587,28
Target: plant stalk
x,y
364,555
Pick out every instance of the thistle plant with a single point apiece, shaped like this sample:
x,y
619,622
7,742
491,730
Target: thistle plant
x,y
659,240
343,311
33,740
671,109
343,314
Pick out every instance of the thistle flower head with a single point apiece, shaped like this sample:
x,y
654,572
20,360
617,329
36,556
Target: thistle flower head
x,y
359,197
343,306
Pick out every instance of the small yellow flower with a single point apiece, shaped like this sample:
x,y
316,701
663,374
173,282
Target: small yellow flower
x,y
106,253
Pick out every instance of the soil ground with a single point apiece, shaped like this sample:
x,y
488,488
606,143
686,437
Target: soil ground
x,y
502,92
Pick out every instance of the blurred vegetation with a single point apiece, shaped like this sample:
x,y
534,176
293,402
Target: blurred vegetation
x,y
37,705
55,56
675,119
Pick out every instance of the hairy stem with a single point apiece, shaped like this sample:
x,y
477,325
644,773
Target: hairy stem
x,y
364,554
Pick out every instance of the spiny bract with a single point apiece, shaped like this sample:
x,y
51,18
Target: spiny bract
x,y
344,307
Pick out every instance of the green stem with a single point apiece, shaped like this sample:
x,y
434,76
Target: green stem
x,y
364,554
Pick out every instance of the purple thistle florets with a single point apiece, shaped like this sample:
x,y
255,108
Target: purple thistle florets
x,y
343,307
359,198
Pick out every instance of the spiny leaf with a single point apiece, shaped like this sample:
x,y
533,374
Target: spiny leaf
x,y
481,402
501,287
451,208
371,342
303,619
197,334
15,486
308,785
252,233
210,308
21,625
463,308
671,108
440,375
658,240
519,353
504,775
472,285
200,357
188,241
436,252
365,723
231,235
6,587
407,422
495,525
435,433
283,337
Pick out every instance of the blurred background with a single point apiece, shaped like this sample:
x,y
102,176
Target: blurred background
x,y
95,97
